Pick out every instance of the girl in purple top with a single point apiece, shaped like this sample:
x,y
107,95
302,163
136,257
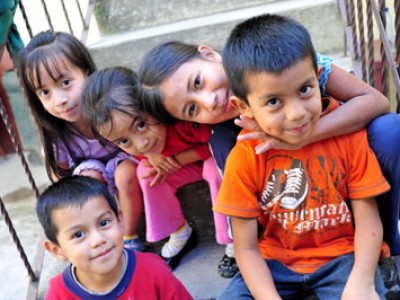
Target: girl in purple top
x,y
53,70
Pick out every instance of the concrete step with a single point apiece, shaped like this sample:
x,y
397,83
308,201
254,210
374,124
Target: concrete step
x,y
125,15
321,17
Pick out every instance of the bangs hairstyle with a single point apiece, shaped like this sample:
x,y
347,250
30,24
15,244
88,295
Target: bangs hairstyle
x,y
73,191
47,49
266,43
152,100
108,90
163,60
159,64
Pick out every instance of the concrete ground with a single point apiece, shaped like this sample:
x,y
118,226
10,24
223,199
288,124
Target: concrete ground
x,y
197,270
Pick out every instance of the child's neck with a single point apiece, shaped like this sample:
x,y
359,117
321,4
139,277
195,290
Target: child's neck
x,y
102,283
83,128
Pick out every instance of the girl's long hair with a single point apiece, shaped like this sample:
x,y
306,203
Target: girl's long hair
x,y
46,49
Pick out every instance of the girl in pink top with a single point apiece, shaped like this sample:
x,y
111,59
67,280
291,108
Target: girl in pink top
x,y
175,155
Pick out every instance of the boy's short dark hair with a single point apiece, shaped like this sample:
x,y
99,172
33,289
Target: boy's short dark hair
x,y
69,191
266,43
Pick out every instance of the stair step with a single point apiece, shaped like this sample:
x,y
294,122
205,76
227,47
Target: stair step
x,y
321,17
125,15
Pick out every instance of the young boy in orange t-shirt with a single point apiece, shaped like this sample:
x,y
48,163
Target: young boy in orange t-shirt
x,y
323,233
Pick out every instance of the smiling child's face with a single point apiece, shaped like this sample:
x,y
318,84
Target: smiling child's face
x,y
91,238
285,105
198,90
136,136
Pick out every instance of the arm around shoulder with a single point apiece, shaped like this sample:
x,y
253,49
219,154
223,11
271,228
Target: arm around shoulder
x,y
363,104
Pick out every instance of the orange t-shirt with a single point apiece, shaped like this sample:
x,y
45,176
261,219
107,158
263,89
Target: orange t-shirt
x,y
302,197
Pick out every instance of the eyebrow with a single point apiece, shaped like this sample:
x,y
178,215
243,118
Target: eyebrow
x,y
130,126
184,108
307,81
77,226
59,76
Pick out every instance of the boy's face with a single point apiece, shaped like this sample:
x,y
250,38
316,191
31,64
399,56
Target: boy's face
x,y
90,237
136,136
285,105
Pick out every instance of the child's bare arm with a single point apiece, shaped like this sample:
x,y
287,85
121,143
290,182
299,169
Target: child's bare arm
x,y
187,157
363,104
252,266
162,164
368,243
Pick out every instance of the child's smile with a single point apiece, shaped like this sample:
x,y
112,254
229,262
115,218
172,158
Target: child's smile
x,y
90,237
288,104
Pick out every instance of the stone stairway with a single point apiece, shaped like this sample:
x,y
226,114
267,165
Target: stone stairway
x,y
130,28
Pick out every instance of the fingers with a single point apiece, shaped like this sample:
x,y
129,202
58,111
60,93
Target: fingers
x,y
158,179
265,146
252,136
247,123
149,173
173,162
169,168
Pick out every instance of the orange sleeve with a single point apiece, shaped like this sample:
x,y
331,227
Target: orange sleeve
x,y
239,191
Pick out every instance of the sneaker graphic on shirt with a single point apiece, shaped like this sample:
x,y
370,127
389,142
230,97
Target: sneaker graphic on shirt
x,y
273,191
296,187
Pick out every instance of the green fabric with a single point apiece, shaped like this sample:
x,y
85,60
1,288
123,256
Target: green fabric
x,y
8,30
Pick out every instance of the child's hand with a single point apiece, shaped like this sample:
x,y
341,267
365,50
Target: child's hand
x,y
257,134
359,289
162,164
168,165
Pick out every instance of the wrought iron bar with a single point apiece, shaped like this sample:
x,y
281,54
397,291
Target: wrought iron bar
x,y
67,17
24,16
80,11
88,18
354,29
361,38
371,50
16,240
47,14
382,30
17,146
386,50
397,30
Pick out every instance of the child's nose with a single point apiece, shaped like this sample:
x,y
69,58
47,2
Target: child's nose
x,y
61,99
208,100
295,111
141,143
97,238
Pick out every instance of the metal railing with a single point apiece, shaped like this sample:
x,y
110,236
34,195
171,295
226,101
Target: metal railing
x,y
34,270
68,8
367,34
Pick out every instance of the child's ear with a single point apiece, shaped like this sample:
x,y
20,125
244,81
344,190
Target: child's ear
x,y
209,53
55,250
121,220
241,106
